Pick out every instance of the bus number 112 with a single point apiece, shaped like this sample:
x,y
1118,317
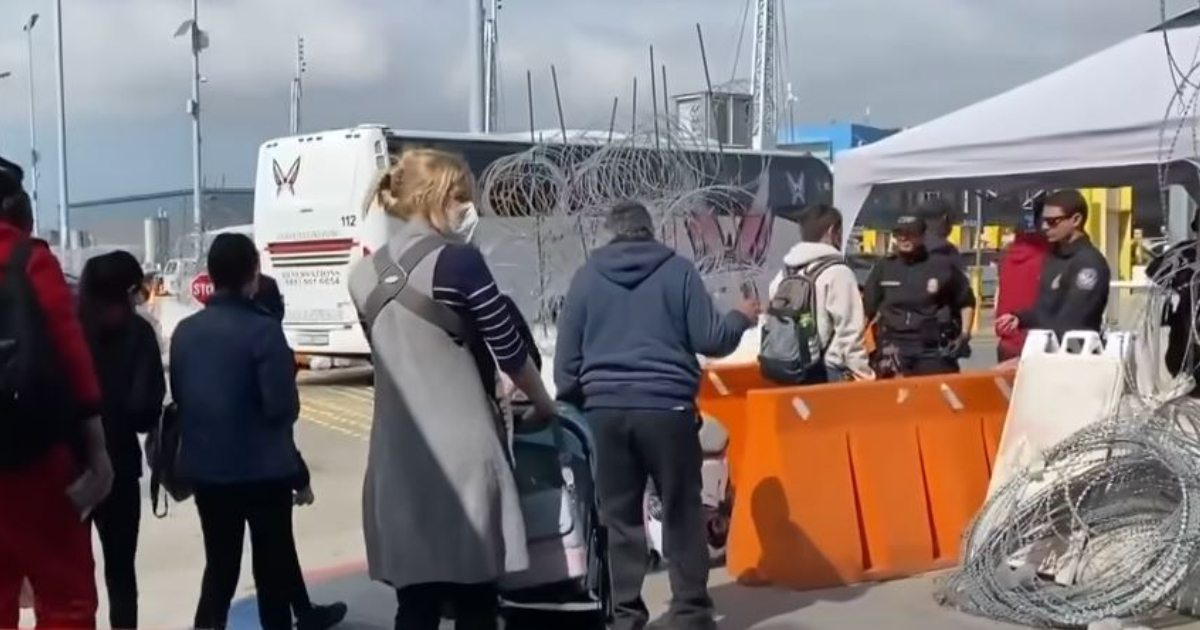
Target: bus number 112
x,y
349,221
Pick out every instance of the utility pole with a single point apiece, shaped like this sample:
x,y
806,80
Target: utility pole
x,y
764,65
199,42
791,106
5,74
64,199
475,49
491,81
297,87
33,152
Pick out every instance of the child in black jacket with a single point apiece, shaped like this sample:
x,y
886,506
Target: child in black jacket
x,y
308,616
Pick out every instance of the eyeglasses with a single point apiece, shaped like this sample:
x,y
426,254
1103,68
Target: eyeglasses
x,y
1054,221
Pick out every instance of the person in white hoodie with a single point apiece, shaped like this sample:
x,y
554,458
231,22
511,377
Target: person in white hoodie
x,y
841,323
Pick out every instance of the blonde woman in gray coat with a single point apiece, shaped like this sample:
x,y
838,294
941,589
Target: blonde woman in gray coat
x,y
441,513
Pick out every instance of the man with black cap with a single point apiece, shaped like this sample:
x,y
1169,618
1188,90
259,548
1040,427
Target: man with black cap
x,y
906,294
1073,290
635,317
938,214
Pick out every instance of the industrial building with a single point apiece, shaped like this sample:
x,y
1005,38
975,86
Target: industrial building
x,y
120,221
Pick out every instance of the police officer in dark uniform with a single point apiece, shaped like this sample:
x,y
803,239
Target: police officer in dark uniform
x,y
938,215
1073,289
906,294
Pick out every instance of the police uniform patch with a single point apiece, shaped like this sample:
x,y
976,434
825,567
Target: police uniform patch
x,y
1054,283
932,286
1086,279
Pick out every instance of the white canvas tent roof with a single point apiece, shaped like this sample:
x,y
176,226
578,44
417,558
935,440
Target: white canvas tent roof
x,y
1108,119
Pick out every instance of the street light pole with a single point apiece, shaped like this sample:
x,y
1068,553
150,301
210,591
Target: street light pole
x,y
297,87
199,41
33,152
64,219
4,74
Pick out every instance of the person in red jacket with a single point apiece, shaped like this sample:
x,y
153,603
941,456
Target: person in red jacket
x,y
54,467
1017,281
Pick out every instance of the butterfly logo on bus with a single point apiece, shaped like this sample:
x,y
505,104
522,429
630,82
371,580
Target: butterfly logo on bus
x,y
286,180
734,239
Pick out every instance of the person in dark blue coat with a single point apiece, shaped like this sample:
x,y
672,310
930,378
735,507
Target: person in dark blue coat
x,y
635,317
232,376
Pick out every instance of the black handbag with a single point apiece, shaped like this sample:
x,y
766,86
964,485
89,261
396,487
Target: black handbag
x,y
162,455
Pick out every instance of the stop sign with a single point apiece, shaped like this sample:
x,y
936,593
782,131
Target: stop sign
x,y
202,287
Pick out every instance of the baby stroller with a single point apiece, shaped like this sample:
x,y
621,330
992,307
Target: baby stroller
x,y
716,493
567,582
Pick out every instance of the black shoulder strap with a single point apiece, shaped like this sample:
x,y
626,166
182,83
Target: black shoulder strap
x,y
817,267
393,285
813,268
18,261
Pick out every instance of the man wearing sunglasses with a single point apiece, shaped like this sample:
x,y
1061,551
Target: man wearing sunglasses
x,y
1073,290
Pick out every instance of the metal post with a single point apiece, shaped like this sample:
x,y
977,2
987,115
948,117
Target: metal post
x,y
475,51
197,166
298,87
491,88
764,76
64,218
33,152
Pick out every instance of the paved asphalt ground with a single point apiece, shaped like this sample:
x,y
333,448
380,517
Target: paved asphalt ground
x,y
336,422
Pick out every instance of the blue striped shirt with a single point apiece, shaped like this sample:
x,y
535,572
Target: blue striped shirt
x,y
462,281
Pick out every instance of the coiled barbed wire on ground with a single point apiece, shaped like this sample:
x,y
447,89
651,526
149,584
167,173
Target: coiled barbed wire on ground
x,y
1122,496
567,189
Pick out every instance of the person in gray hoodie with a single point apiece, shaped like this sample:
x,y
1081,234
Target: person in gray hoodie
x,y
841,324
635,317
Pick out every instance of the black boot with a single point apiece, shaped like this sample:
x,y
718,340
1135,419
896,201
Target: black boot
x,y
322,617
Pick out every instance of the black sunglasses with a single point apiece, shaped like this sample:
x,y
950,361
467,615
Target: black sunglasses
x,y
1054,221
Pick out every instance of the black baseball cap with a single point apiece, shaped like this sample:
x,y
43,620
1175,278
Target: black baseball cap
x,y
909,224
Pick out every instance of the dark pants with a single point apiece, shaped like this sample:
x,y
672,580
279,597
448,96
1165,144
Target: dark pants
x,y
301,603
420,606
929,365
838,374
225,511
664,446
117,521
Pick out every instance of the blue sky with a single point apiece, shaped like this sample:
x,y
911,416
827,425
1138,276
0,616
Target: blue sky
x,y
404,63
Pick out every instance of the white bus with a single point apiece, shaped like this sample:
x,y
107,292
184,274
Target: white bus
x,y
310,227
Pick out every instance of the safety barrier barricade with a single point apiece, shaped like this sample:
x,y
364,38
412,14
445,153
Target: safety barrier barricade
x,y
856,482
722,397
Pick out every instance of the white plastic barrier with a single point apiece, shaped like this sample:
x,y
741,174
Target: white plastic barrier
x,y
1061,387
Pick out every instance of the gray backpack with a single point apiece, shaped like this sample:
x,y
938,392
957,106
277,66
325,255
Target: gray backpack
x,y
791,344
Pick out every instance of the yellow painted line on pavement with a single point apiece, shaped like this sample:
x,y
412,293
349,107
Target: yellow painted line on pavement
x,y
339,419
340,409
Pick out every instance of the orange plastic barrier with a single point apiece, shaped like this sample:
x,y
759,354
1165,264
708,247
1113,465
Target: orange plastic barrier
x,y
722,396
857,482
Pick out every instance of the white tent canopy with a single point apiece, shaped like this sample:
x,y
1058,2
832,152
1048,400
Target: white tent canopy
x,y
1109,119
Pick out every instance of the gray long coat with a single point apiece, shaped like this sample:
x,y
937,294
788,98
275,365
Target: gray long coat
x,y
439,502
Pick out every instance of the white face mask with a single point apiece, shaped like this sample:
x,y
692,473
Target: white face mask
x,y
467,222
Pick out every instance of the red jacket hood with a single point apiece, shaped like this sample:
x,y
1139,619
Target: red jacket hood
x,y
1027,247
1019,273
